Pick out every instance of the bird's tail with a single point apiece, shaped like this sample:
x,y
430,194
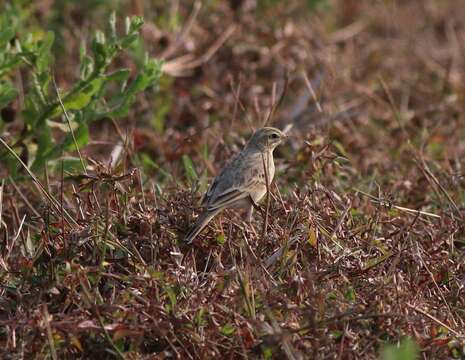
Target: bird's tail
x,y
200,224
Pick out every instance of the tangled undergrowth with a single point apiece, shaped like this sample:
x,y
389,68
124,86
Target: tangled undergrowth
x,y
361,243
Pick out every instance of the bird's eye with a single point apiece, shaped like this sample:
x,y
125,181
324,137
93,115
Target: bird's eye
x,y
274,136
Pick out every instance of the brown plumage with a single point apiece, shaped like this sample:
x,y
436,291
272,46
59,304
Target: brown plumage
x,y
241,183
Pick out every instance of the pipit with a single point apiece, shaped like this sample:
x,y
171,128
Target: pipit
x,y
242,182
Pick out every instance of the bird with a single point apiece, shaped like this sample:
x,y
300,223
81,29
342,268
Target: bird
x,y
243,181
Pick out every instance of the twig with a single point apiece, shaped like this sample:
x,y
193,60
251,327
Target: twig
x,y
275,104
401,208
24,198
312,92
393,106
69,124
176,66
184,32
49,332
429,174
91,304
339,224
435,320
437,286
278,253
18,233
69,219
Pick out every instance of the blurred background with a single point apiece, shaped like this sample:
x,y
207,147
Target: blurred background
x,y
369,74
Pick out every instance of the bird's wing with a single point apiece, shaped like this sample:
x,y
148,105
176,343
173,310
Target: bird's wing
x,y
233,183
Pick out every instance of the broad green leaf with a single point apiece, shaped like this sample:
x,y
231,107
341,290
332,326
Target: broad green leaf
x,y
86,68
119,112
100,53
150,73
79,99
406,350
129,40
44,57
148,76
118,75
32,110
81,135
45,145
6,35
82,138
12,62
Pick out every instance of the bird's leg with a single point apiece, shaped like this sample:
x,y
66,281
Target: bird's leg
x,y
249,219
253,205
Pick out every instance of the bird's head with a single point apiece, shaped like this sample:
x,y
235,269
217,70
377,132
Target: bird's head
x,y
267,138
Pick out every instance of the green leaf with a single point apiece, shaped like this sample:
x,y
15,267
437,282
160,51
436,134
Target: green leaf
x,y
119,75
228,329
189,168
86,62
129,40
135,24
70,164
350,294
314,4
45,142
81,98
337,334
31,110
199,318
340,148
267,352
406,350
6,35
44,57
162,106
221,239
119,112
149,75
7,94
9,65
147,162
100,52
81,135
172,296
